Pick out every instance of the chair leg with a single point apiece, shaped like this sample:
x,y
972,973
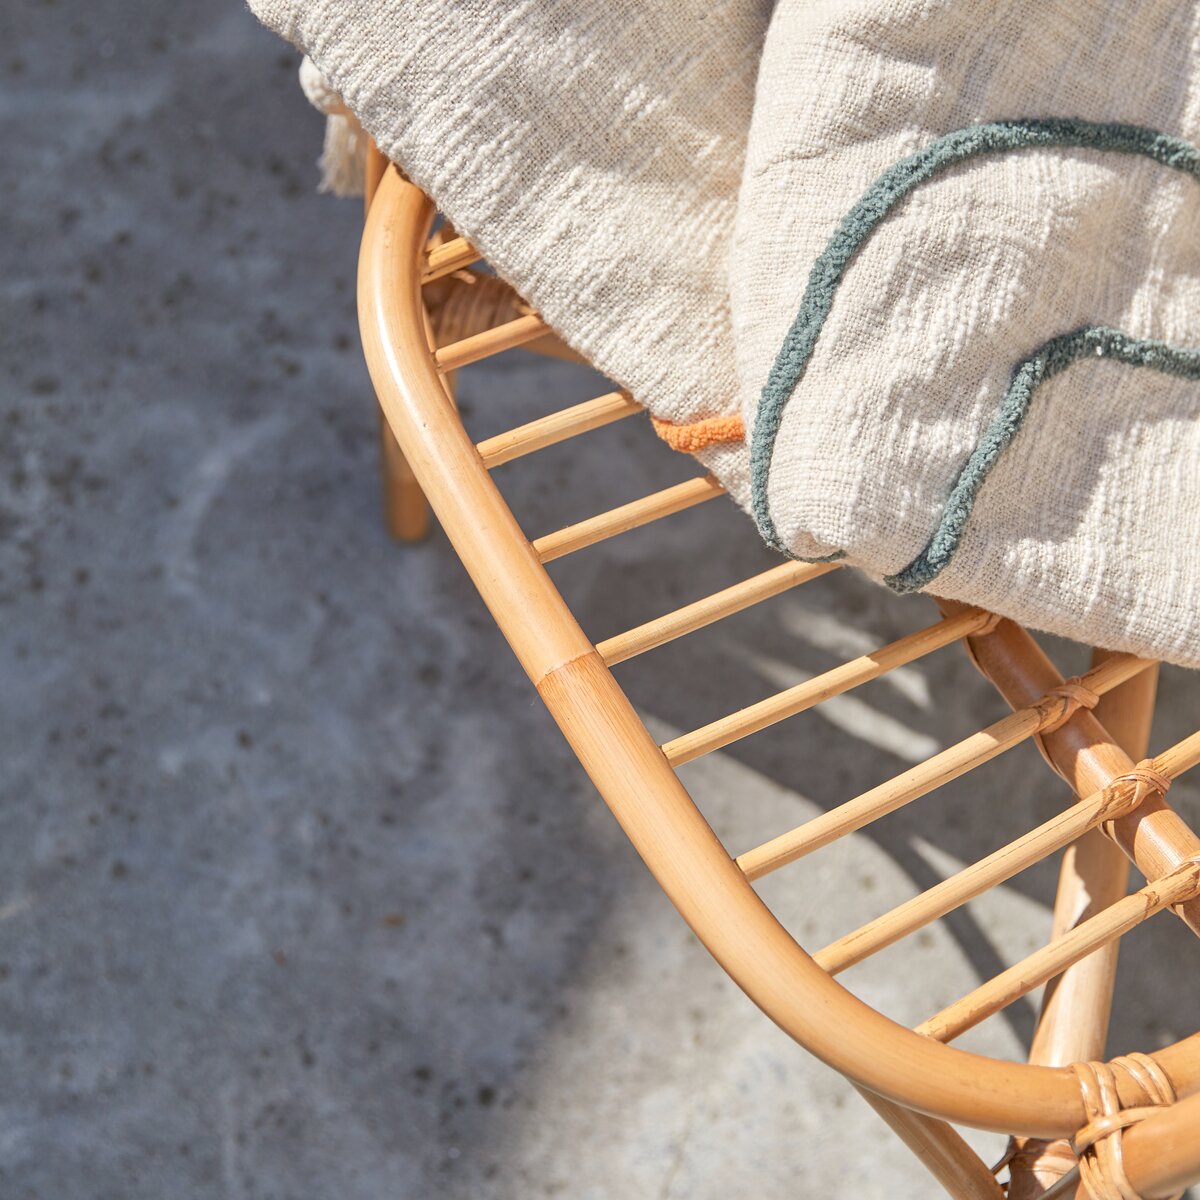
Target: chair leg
x,y
1073,1025
941,1149
405,509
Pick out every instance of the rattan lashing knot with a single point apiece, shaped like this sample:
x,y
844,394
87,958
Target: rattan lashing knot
x,y
1058,705
1121,799
1071,695
1036,1162
1098,1144
988,626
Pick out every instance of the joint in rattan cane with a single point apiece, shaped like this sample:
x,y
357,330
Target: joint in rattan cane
x,y
1127,792
1034,1162
1098,1145
923,778
968,643
1072,695
1060,704
988,626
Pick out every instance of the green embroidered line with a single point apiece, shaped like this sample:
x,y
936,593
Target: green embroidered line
x,y
875,204
1048,360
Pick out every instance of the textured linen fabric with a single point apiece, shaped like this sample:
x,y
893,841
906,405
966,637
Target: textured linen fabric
x,y
1089,524
661,179
593,152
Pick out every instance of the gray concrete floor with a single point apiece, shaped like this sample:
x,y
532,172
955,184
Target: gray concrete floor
x,y
301,894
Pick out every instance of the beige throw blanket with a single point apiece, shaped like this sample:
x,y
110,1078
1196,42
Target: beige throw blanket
x,y
942,258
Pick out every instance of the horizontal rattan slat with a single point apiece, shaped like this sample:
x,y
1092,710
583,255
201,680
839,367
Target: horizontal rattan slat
x,y
713,896
556,427
814,691
448,257
1156,837
1112,922
628,516
1061,830
712,608
490,341
927,776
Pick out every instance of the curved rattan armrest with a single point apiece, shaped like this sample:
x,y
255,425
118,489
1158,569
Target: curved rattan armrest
x,y
629,769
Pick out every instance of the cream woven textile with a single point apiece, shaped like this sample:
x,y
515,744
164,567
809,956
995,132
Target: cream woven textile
x,y
944,257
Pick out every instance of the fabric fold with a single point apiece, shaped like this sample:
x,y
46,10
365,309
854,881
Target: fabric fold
x,y
919,281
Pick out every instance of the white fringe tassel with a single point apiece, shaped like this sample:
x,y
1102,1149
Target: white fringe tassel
x,y
343,160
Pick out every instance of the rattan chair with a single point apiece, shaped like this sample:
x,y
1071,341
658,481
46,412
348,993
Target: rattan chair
x,y
1078,1127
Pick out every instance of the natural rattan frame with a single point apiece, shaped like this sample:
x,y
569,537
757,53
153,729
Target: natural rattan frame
x,y
916,1082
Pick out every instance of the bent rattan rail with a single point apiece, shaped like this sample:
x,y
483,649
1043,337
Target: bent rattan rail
x,y
1135,1122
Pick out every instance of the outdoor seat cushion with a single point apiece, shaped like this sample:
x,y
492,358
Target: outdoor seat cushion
x,y
941,257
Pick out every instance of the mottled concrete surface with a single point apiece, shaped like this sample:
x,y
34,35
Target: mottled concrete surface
x,y
301,894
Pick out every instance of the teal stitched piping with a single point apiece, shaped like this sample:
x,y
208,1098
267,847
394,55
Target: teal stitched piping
x,y
875,204
1044,363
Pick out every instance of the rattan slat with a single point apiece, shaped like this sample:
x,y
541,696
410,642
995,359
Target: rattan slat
x,y
628,516
556,427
